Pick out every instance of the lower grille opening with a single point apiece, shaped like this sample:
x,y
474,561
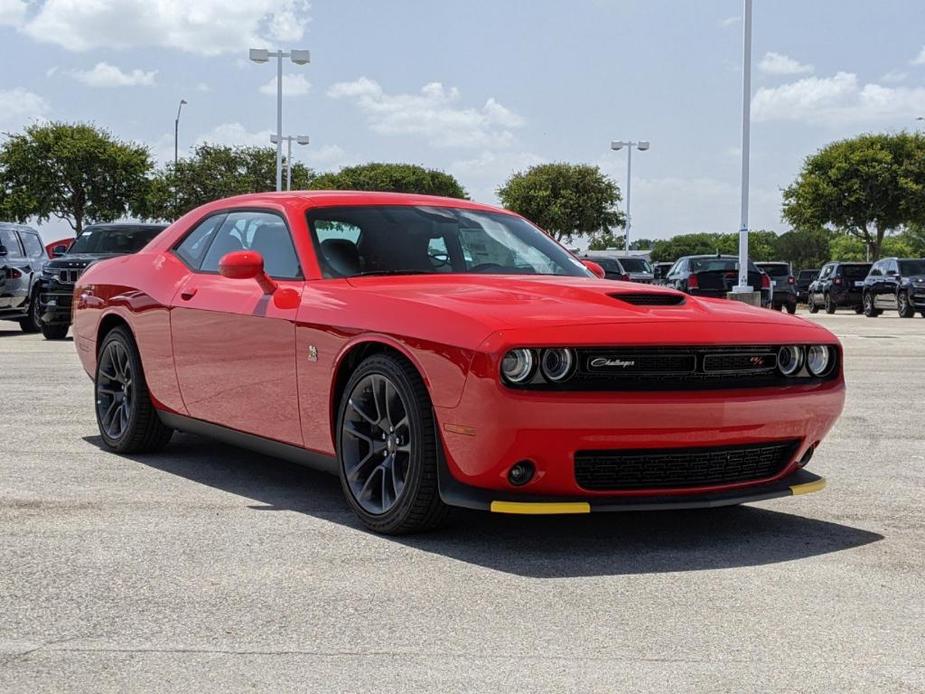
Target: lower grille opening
x,y
667,468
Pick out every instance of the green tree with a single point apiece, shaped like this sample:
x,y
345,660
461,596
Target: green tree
x,y
805,248
605,240
392,178
762,245
214,172
866,186
73,171
566,200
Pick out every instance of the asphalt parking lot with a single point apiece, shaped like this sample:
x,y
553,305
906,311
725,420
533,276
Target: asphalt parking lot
x,y
207,568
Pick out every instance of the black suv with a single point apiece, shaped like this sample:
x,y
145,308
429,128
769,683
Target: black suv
x,y
895,283
22,257
804,279
838,286
714,276
785,291
94,243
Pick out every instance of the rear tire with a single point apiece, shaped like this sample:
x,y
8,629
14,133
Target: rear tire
x,y
126,417
904,306
387,448
791,308
55,332
33,322
829,304
869,309
811,305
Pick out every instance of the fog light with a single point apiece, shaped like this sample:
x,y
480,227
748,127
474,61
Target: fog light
x,y
819,360
790,359
520,473
517,365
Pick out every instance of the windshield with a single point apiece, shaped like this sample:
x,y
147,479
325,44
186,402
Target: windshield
x,y
912,267
609,265
408,240
855,272
718,265
808,274
113,239
635,265
776,270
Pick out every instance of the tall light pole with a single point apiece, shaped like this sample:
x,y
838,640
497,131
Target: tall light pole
x,y
642,146
299,57
743,287
299,139
176,133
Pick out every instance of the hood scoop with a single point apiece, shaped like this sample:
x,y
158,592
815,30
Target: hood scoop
x,y
650,298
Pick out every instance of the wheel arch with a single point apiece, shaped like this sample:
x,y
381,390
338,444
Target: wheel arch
x,y
351,357
106,325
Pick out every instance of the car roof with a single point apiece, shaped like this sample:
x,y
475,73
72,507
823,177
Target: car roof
x,y
17,227
329,198
772,262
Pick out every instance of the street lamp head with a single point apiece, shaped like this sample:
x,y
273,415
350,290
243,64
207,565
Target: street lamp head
x,y
302,139
259,55
300,57
642,145
274,139
617,144
182,102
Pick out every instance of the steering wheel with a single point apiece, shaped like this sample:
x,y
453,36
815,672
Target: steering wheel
x,y
487,267
439,259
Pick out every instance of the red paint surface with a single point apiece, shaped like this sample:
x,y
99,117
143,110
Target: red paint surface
x,y
224,350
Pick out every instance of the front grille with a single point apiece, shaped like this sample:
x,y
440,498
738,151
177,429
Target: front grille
x,y
675,468
747,362
68,276
642,299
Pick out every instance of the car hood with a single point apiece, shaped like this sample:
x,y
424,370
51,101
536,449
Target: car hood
x,y
70,260
916,279
582,309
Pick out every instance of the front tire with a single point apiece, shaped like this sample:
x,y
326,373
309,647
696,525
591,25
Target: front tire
x,y
33,322
55,332
812,306
905,307
792,308
869,309
125,415
387,448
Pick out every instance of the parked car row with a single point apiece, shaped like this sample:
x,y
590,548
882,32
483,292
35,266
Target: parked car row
x,y
894,284
36,290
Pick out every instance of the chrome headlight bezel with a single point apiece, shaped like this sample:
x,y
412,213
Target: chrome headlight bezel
x,y
518,365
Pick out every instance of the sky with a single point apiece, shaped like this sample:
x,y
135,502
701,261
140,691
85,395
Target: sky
x,y
487,87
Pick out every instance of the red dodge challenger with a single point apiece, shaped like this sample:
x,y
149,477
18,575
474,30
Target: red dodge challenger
x,y
435,352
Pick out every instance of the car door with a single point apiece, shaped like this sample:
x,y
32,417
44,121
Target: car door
x,y
888,295
234,347
15,272
816,288
35,252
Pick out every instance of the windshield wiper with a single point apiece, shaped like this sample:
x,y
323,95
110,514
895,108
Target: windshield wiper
x,y
393,272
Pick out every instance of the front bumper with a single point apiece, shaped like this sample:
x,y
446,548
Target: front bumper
x,y
55,301
455,494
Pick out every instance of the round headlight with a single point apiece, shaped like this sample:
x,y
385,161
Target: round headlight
x,y
819,360
557,364
517,365
790,359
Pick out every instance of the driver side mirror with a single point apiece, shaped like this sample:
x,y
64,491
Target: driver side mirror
x,y
246,265
595,269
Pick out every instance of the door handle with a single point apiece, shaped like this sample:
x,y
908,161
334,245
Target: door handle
x,y
188,294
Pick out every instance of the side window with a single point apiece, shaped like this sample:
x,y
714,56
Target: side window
x,y
338,247
891,268
193,248
10,240
263,232
826,272
875,271
34,247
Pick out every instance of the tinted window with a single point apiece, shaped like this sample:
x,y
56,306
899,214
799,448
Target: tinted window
x,y
635,265
194,246
808,274
401,239
912,267
121,239
263,232
776,270
10,241
609,265
718,265
855,272
876,270
34,247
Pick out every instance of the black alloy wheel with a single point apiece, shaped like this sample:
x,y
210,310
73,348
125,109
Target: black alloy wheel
x,y
813,308
126,417
829,304
905,307
387,448
33,322
869,309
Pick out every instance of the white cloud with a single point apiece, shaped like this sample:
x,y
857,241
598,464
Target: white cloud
x,y
433,113
920,58
12,12
730,21
235,134
106,75
326,157
207,27
894,77
779,64
19,107
836,100
293,85
203,87
482,175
